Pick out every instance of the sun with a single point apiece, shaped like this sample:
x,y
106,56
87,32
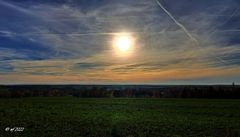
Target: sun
x,y
123,44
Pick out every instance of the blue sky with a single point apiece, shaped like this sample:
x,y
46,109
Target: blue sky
x,y
71,41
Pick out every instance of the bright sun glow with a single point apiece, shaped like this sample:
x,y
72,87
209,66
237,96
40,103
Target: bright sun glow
x,y
123,43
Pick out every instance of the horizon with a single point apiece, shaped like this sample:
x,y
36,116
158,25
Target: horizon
x,y
157,42
119,84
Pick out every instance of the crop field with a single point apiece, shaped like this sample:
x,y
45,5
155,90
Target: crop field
x,y
119,117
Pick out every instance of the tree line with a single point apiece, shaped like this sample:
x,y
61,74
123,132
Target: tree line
x,y
134,91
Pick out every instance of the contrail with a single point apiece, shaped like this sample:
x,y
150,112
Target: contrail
x,y
230,17
178,23
74,34
3,33
184,29
15,7
231,30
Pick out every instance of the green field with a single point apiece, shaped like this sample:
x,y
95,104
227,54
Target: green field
x,y
73,117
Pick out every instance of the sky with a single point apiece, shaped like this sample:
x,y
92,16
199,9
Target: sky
x,y
72,41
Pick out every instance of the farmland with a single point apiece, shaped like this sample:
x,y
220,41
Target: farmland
x,y
70,116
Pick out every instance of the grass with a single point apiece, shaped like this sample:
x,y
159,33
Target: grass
x,y
73,117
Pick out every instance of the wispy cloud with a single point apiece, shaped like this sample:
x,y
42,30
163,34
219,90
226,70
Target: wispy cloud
x,y
15,7
73,41
178,23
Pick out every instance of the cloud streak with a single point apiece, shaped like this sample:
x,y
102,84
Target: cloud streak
x,y
178,23
185,29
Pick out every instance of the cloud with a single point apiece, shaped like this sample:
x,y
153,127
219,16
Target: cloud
x,y
89,66
6,67
6,33
72,40
15,7
178,23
